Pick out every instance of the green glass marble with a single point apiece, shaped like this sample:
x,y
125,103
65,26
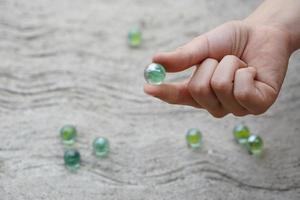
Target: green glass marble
x,y
134,37
155,74
72,159
241,133
101,146
194,138
68,134
254,145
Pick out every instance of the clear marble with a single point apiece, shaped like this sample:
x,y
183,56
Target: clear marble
x,y
68,134
101,146
255,145
194,138
241,133
134,37
155,74
72,159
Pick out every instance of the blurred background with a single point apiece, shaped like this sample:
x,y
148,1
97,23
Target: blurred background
x,y
68,62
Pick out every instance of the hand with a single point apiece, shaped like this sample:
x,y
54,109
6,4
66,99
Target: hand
x,y
240,68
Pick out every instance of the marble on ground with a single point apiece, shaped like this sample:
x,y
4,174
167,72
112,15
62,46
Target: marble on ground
x,y
67,61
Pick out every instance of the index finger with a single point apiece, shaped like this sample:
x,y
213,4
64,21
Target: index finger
x,y
184,57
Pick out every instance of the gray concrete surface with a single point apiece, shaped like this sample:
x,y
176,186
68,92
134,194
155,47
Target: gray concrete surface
x,y
66,61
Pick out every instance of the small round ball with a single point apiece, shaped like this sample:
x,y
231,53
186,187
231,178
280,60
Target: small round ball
x,y
255,145
155,74
134,37
241,133
68,134
101,146
72,159
194,138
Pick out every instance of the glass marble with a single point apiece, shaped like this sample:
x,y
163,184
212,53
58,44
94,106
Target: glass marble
x,y
101,146
254,145
72,159
241,133
194,138
134,37
68,134
155,74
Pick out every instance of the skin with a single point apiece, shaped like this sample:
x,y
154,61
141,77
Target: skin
x,y
239,66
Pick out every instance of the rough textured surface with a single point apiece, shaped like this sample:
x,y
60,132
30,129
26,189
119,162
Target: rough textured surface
x,y
67,61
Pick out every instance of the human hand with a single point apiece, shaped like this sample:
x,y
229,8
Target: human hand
x,y
240,68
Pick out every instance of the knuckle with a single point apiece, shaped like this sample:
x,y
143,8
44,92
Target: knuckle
x,y
200,89
239,113
260,110
219,85
218,114
246,96
242,95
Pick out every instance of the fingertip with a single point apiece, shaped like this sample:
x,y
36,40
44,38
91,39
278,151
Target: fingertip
x,y
245,72
161,56
157,57
252,70
165,59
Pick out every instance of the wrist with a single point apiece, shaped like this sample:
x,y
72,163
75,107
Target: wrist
x,y
281,15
